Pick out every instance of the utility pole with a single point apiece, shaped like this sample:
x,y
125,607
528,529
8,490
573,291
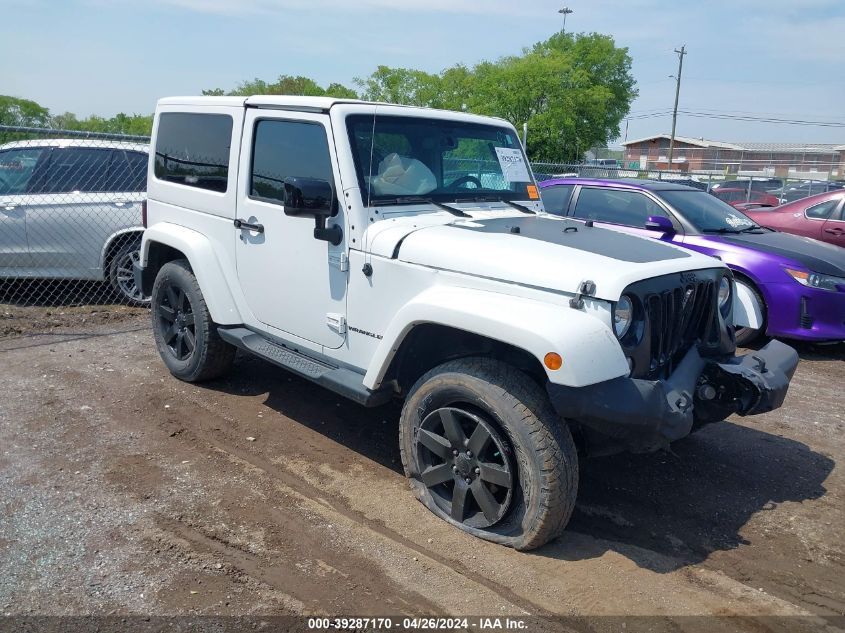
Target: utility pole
x,y
565,11
681,54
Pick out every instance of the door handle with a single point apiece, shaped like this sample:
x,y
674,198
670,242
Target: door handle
x,y
9,206
246,226
835,231
121,203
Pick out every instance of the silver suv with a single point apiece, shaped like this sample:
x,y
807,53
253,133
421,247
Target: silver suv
x,y
71,209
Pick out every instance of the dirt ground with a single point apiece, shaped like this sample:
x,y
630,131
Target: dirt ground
x,y
125,491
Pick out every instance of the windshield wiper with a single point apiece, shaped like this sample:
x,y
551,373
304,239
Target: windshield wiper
x,y
754,227
422,199
515,205
721,229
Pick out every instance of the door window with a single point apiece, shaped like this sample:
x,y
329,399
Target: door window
x,y
283,149
556,198
630,208
73,169
16,169
823,210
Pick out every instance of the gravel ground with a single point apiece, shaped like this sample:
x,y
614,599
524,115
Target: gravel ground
x,y
124,491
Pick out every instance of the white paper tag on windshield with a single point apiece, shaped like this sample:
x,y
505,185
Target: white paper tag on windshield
x,y
513,165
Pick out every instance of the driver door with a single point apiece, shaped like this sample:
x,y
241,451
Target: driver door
x,y
292,282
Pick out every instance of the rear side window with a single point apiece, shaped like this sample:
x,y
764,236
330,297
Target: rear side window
x,y
128,171
822,211
287,148
193,149
556,198
617,207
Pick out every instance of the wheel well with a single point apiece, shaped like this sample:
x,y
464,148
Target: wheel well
x,y
158,255
428,345
116,244
741,276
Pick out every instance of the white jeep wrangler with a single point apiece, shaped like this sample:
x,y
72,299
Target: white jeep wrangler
x,y
395,252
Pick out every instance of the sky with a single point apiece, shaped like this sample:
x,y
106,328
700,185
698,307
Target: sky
x,y
776,59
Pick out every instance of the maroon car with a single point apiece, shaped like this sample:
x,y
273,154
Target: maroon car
x,y
740,199
821,217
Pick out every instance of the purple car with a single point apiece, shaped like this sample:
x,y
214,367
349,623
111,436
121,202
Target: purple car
x,y
787,286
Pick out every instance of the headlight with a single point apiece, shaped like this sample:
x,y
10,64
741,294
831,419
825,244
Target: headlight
x,y
623,315
816,280
724,292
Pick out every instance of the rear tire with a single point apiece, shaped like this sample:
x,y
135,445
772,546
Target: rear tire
x,y
485,451
745,337
186,337
121,275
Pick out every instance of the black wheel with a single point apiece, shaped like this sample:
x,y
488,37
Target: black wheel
x,y
746,336
121,275
185,335
484,450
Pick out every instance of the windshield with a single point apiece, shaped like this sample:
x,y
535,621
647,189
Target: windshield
x,y
401,159
707,213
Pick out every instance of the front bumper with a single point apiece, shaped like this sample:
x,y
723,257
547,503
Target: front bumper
x,y
807,314
645,415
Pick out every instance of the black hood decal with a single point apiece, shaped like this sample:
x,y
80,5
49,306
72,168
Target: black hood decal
x,y
819,257
592,239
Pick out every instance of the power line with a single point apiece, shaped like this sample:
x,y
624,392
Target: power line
x,y
736,117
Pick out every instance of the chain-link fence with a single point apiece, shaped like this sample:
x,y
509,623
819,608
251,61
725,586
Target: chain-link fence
x,y
70,226
732,188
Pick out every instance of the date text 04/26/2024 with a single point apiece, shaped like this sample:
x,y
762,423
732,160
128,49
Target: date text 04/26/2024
x,y
417,623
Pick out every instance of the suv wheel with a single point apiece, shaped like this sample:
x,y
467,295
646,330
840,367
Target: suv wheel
x,y
484,449
186,337
121,275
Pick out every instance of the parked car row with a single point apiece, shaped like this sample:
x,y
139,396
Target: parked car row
x,y
788,286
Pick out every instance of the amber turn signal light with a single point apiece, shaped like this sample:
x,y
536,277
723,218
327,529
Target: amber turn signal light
x,y
553,361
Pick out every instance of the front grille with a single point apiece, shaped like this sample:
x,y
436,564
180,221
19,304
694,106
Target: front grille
x,y
676,319
675,313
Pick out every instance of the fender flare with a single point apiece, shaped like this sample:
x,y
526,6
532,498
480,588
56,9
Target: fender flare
x,y
590,351
747,312
200,254
110,240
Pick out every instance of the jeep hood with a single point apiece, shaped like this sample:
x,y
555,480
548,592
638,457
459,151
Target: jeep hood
x,y
539,251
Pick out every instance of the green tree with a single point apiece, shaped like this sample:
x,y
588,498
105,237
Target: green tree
x,y
572,90
22,112
400,85
285,85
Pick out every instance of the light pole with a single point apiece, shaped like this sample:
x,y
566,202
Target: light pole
x,y
565,11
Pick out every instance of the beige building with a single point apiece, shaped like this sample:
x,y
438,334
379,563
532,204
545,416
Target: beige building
x,y
799,160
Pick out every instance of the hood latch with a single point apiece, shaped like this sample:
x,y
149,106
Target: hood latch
x,y
587,288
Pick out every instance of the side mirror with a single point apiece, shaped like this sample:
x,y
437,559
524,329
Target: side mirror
x,y
659,223
315,198
308,196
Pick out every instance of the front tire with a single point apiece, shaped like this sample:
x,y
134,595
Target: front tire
x,y
186,337
484,450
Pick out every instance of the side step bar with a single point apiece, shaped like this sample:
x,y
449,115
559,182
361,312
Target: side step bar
x,y
344,382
